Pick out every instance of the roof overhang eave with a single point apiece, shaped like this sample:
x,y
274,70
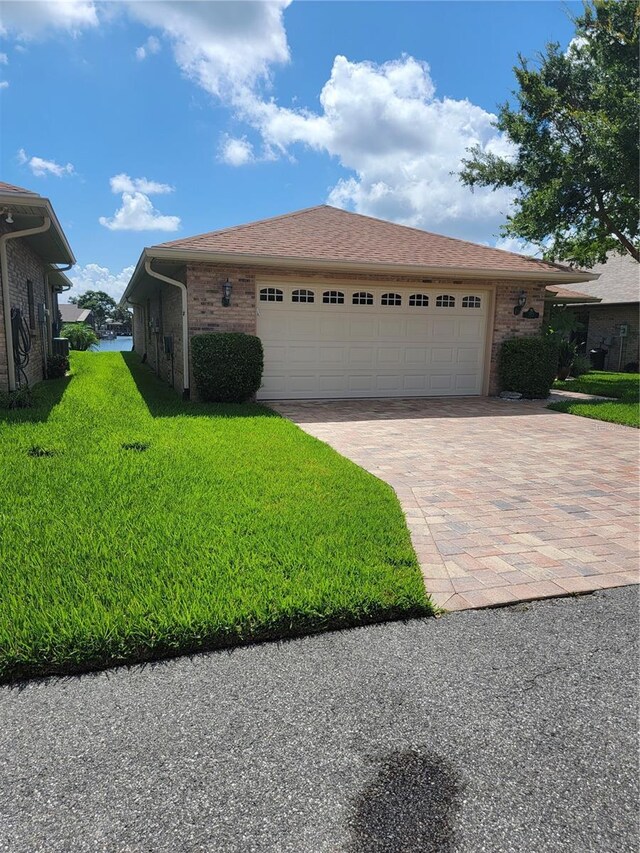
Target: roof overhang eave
x,y
558,299
15,201
187,255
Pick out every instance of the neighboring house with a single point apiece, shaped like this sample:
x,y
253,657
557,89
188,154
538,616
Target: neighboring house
x,y
72,314
345,305
610,312
32,244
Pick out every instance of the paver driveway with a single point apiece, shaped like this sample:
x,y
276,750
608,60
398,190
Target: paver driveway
x,y
505,500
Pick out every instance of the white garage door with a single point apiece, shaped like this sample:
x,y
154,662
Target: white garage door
x,y
370,341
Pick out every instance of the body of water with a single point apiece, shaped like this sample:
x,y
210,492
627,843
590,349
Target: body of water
x,y
117,345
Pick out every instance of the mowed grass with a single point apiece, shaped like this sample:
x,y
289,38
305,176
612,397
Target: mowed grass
x,y
218,525
625,387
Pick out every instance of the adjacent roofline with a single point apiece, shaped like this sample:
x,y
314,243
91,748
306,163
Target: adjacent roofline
x,y
14,199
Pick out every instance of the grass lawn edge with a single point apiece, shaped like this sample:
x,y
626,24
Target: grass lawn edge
x,y
221,642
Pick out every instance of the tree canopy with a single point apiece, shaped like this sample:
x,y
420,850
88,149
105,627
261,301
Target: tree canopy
x,y
575,129
97,301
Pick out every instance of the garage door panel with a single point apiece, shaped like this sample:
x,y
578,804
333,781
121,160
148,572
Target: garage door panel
x,y
440,382
362,329
361,356
468,355
332,384
441,355
466,383
391,328
320,350
389,356
414,382
331,354
443,329
389,383
303,354
415,356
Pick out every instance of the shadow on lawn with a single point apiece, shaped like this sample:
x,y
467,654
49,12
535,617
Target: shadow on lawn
x,y
163,402
45,396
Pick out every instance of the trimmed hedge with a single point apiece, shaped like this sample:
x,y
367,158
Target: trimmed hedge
x,y
528,366
227,366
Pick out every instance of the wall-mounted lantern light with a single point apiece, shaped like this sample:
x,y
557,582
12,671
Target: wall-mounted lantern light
x,y
226,293
522,301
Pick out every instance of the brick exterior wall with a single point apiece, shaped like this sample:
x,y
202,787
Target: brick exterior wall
x,y
207,314
25,265
507,325
161,312
604,322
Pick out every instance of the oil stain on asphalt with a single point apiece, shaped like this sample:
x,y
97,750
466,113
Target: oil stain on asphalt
x,y
412,804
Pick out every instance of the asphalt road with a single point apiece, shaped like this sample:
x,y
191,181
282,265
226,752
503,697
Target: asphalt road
x,y
502,730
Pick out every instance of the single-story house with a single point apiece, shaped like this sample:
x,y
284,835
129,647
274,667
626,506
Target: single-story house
x,y
346,305
72,314
609,313
32,246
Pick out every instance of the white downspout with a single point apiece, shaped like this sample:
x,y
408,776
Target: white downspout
x,y
185,323
6,296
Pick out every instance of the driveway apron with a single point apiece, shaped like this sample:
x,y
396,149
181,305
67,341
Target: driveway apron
x,y
505,500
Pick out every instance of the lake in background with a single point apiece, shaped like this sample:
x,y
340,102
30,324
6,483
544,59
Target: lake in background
x,y
116,345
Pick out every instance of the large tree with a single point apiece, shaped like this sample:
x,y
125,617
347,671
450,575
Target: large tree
x,y
575,129
100,303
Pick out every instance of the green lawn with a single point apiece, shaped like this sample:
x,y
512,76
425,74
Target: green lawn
x,y
625,387
232,526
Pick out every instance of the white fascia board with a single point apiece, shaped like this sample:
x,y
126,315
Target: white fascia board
x,y
240,259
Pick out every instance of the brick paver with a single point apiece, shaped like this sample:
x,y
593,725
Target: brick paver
x,y
506,501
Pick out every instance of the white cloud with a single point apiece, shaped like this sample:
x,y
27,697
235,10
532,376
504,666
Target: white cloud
x,y
236,152
402,145
95,277
34,19
4,59
137,212
221,46
42,168
151,46
4,84
122,183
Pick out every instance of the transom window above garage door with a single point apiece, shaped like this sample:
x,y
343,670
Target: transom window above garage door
x,y
362,298
333,297
418,300
302,296
391,299
471,302
445,301
271,294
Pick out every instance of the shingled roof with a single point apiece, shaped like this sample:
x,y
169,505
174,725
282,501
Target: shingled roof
x,y
619,281
12,188
328,234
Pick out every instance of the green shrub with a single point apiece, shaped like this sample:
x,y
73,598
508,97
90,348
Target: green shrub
x,y
566,355
528,366
581,365
80,336
227,366
57,366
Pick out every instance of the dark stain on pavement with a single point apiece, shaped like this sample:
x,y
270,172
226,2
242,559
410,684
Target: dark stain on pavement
x,y
412,804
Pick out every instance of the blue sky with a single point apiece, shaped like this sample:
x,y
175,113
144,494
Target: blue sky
x,y
147,121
